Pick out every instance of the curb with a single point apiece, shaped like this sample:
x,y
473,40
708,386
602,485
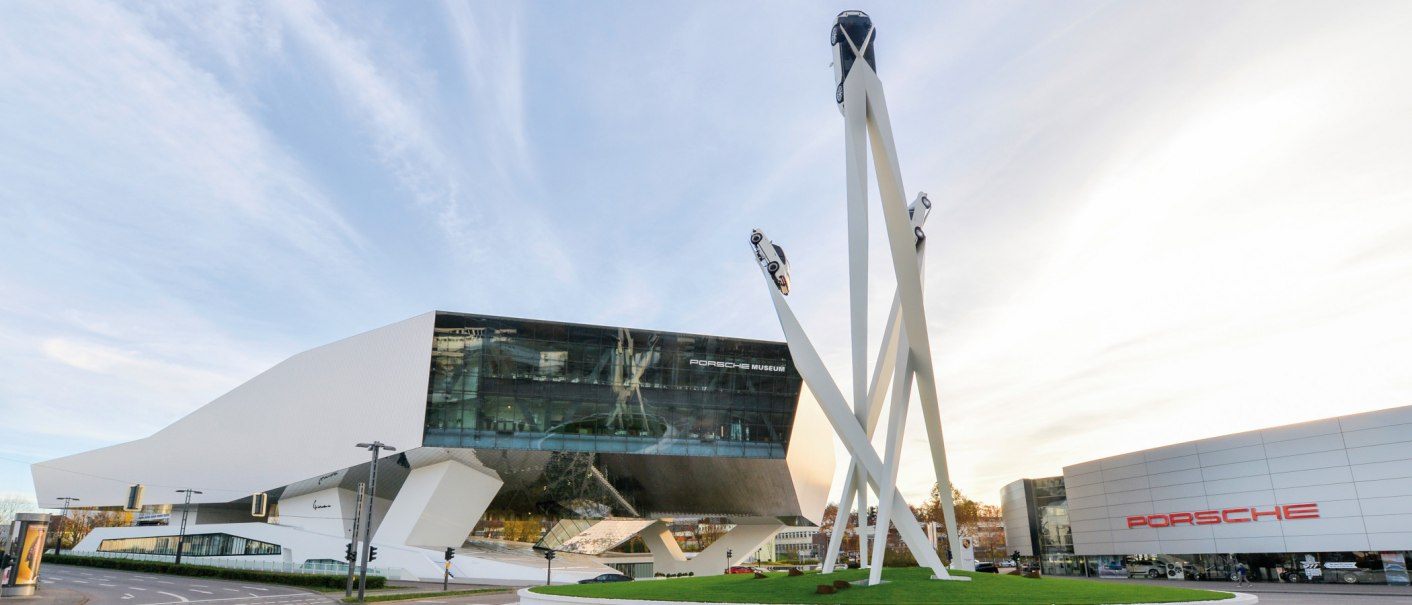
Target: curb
x,y
531,598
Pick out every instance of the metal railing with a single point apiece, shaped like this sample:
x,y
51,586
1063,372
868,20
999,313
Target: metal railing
x,y
308,567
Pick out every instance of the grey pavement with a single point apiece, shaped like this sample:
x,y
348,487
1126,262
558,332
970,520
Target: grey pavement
x,y
75,585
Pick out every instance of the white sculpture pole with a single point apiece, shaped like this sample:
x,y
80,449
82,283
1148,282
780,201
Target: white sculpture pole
x,y
864,107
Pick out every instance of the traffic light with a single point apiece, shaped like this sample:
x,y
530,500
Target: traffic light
x,y
1016,556
372,553
349,554
450,553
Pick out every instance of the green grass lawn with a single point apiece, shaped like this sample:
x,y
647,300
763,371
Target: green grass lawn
x,y
902,586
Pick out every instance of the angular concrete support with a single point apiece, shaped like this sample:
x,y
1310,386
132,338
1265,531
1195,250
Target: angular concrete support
x,y
741,541
437,506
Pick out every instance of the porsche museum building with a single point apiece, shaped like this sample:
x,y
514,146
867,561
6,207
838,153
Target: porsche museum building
x,y
608,433
1323,501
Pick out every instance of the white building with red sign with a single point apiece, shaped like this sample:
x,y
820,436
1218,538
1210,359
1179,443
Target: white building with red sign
x,y
1328,500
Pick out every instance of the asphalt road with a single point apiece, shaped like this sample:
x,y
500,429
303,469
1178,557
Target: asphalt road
x,y
112,587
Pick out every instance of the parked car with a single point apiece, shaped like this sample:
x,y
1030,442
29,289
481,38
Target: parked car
x,y
605,578
1145,567
740,569
985,567
1355,576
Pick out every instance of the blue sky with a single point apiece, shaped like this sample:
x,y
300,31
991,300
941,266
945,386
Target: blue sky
x,y
1156,221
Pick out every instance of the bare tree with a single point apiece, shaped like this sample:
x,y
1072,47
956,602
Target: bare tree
x,y
10,504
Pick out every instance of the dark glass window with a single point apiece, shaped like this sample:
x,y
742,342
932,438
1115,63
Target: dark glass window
x,y
197,545
502,383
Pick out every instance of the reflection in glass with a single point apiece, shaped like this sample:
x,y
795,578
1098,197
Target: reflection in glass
x,y
503,383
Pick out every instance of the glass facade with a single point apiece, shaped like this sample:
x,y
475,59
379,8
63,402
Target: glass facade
x,y
197,545
516,384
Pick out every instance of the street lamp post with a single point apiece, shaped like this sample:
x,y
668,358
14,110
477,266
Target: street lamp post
x,y
58,548
181,535
376,448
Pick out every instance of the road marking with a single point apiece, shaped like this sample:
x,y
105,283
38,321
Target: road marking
x,y
179,597
253,588
135,588
108,585
165,582
230,589
274,596
127,596
79,581
199,586
201,591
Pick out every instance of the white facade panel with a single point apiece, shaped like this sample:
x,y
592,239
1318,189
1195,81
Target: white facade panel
x,y
1380,453
1385,488
1387,506
1083,468
1088,514
304,411
1262,497
1261,544
1087,502
1231,531
1092,478
1377,436
1083,491
1235,470
1123,472
1123,511
1146,546
1329,509
1140,495
1182,490
1356,469
1390,523
1235,454
1318,476
1307,462
1375,471
1177,463
1306,445
1326,542
1191,475
1389,541
1125,485
1231,486
1316,493
1177,547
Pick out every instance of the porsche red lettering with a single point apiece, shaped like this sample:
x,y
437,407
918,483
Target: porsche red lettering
x,y
1227,515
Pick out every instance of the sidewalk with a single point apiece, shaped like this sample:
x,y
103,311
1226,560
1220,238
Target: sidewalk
x,y
49,596
1367,590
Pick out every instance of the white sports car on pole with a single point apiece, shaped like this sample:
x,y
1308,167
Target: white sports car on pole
x,y
773,259
918,211
852,35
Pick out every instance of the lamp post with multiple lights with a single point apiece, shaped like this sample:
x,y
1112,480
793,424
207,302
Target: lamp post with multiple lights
x,y
58,548
181,535
376,448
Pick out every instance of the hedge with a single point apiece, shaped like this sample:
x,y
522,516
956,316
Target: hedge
x,y
220,573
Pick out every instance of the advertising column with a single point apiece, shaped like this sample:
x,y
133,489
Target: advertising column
x,y
26,549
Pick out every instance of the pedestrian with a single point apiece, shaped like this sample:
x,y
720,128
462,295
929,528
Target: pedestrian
x,y
1242,575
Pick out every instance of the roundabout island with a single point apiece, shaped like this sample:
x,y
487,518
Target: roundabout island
x,y
902,586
